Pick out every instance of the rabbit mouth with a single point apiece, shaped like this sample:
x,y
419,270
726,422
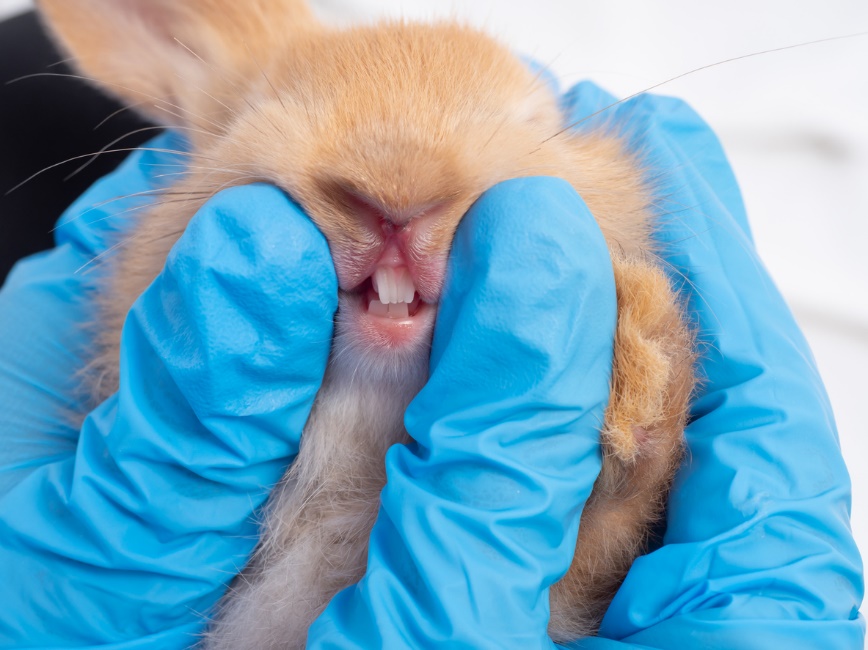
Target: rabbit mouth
x,y
390,293
373,327
386,311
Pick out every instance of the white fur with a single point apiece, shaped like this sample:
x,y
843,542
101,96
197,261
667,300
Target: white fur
x,y
315,535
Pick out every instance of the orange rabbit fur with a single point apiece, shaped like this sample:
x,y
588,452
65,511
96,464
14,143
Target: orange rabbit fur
x,y
402,126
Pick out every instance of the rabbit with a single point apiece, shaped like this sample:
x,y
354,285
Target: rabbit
x,y
385,134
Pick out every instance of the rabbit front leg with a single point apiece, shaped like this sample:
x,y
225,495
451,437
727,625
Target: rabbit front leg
x,y
642,439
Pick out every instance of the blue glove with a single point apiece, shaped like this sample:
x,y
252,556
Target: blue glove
x,y
123,533
479,517
758,551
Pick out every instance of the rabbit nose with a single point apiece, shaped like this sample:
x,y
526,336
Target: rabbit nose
x,y
392,218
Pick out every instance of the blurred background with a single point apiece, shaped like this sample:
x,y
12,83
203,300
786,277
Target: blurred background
x,y
794,124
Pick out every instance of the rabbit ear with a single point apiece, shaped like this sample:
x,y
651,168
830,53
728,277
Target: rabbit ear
x,y
168,56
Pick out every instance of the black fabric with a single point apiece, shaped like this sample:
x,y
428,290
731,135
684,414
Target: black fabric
x,y
43,121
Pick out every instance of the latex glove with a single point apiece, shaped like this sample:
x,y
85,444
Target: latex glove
x,y
410,609
146,461
478,518
481,515
123,534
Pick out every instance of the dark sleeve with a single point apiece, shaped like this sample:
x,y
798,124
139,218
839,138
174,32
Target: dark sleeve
x,y
43,121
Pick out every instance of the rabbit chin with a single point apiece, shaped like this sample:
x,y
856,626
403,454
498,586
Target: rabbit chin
x,y
374,345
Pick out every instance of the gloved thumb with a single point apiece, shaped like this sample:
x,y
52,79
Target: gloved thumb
x,y
221,358
480,517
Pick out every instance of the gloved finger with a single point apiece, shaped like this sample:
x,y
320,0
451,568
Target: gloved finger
x,y
221,359
758,551
45,305
480,516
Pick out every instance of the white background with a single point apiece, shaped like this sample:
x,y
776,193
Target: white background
x,y
794,123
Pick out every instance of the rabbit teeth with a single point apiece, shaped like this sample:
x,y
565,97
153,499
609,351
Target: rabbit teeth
x,y
393,286
394,310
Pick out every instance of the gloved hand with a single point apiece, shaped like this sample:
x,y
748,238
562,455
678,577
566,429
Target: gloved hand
x,y
479,517
437,569
124,533
138,455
